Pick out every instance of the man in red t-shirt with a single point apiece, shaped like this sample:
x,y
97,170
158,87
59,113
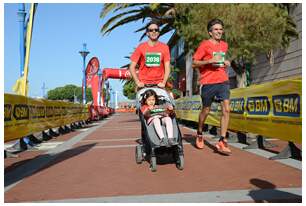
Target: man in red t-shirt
x,y
153,58
209,58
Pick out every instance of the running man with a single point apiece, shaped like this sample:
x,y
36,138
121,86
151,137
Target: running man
x,y
153,58
209,58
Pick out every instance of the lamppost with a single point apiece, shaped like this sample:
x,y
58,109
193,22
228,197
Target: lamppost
x,y
43,90
21,19
74,96
106,93
116,99
84,53
99,86
110,97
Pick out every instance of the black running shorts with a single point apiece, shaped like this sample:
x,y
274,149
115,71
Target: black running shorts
x,y
209,92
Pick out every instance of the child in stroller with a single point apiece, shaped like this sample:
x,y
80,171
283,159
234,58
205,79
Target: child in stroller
x,y
154,141
157,115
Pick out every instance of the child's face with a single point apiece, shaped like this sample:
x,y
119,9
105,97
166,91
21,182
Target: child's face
x,y
150,101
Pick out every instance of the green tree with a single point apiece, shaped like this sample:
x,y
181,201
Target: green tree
x,y
129,89
106,96
67,93
249,29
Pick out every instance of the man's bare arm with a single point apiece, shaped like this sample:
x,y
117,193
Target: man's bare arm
x,y
167,72
199,63
134,75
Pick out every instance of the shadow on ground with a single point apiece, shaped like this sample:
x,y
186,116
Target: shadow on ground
x,y
268,193
20,171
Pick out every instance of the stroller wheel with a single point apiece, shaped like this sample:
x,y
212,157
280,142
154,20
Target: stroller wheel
x,y
153,164
180,162
138,154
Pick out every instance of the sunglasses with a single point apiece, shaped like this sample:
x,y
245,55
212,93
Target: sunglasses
x,y
153,30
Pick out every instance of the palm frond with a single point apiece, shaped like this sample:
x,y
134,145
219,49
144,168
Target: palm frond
x,y
142,36
107,8
114,18
125,21
166,29
125,6
141,29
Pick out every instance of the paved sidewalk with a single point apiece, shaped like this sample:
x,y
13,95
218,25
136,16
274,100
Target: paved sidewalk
x,y
97,164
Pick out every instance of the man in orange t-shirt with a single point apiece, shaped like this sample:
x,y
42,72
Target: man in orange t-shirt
x,y
209,58
153,58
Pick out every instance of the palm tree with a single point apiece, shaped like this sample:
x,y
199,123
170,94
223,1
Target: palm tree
x,y
164,13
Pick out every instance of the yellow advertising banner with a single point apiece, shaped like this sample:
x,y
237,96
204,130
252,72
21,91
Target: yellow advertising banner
x,y
271,109
24,116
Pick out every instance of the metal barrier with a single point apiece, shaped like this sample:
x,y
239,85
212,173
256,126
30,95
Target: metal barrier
x,y
271,109
24,116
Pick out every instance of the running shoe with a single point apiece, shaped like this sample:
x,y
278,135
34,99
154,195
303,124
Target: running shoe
x,y
223,148
199,141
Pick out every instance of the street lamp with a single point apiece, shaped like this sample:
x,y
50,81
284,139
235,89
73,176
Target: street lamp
x,y
84,53
110,97
74,96
21,18
99,86
106,93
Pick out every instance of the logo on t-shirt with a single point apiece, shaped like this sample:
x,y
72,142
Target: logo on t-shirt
x,y
153,59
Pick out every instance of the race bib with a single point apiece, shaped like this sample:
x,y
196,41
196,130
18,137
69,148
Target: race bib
x,y
221,61
153,59
155,112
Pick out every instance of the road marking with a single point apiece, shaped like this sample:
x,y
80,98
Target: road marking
x,y
258,195
110,140
83,130
123,146
41,146
48,145
121,128
115,146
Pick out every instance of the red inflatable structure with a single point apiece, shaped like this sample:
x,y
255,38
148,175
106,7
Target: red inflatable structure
x,y
96,80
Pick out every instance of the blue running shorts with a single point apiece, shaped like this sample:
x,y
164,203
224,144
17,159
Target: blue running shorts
x,y
209,92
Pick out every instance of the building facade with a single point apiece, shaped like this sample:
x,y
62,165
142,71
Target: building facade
x,y
286,62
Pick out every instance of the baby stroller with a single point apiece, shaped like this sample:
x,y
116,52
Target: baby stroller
x,y
150,148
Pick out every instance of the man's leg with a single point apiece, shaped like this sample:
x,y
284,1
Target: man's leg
x,y
202,117
224,93
225,105
207,92
222,145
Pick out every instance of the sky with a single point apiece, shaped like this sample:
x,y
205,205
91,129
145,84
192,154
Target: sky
x,y
58,35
